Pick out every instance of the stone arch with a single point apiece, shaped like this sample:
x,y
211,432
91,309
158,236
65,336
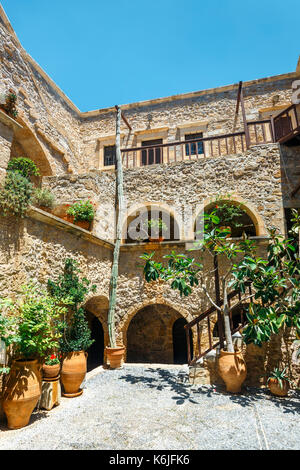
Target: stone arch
x,y
25,143
162,315
250,210
136,209
96,311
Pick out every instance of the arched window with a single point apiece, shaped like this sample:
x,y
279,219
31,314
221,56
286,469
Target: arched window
x,y
151,223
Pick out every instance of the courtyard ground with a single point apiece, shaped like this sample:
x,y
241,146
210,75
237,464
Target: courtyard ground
x,y
152,407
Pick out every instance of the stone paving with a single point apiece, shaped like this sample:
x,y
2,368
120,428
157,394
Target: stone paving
x,y
152,407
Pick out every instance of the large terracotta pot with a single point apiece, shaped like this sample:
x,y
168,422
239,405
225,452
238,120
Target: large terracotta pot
x,y
21,392
50,372
232,369
275,389
73,372
115,356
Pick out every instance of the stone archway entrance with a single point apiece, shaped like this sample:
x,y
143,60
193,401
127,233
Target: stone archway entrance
x,y
150,336
96,351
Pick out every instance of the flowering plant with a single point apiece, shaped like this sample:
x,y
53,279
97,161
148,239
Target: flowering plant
x,y
52,360
82,210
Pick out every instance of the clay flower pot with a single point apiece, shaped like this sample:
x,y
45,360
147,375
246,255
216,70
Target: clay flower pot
x,y
50,372
232,369
157,240
86,224
73,372
275,389
45,209
115,356
69,218
22,392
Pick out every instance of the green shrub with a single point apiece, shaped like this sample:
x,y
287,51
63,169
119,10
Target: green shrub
x,y
15,196
72,291
43,197
10,104
34,327
24,166
82,210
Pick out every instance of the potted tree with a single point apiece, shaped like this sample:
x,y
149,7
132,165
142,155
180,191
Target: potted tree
x,y
275,281
156,229
29,329
75,336
278,382
81,213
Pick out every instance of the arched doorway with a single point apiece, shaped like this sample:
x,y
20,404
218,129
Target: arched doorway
x,y
96,351
180,350
150,335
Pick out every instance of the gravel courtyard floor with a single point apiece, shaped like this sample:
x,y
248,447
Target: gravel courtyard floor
x,y
150,407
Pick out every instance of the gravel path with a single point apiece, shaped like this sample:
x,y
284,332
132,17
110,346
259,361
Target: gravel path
x,y
153,408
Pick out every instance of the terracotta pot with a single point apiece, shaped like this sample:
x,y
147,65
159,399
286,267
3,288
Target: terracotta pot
x,y
45,209
275,389
69,218
157,240
115,356
232,369
73,372
226,228
22,392
86,224
50,372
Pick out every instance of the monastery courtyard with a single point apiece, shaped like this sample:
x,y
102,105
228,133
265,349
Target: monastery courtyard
x,y
151,407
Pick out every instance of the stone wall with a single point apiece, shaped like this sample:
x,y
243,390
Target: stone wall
x,y
253,179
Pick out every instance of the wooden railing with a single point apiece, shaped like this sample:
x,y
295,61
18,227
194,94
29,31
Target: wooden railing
x,y
210,343
287,124
259,132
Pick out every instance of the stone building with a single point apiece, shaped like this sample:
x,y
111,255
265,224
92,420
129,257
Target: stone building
x,y
203,149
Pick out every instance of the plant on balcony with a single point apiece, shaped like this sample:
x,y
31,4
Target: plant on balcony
x,y
229,214
82,212
15,195
274,303
25,166
156,229
75,333
31,333
43,198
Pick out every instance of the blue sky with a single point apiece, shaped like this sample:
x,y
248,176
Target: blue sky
x,y
107,52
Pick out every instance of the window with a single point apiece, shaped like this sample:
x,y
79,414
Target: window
x,y
149,157
190,149
109,155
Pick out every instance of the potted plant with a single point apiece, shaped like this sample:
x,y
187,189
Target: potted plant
x,y
10,104
51,367
81,213
15,195
25,166
31,334
156,229
75,336
229,215
278,382
43,199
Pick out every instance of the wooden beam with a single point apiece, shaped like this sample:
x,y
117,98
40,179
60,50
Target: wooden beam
x,y
237,106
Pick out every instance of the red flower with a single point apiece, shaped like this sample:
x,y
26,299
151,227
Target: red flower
x,y
53,356
217,207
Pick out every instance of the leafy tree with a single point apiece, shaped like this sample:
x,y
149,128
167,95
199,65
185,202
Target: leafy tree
x,y
276,298
71,290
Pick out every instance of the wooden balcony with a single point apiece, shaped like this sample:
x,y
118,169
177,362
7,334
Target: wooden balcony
x,y
286,125
257,132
